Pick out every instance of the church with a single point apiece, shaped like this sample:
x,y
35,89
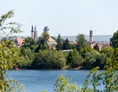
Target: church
x,y
34,35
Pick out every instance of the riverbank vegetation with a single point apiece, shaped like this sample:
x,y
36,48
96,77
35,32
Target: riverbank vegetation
x,y
39,55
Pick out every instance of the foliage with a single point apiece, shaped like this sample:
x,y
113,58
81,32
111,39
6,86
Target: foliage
x,y
66,45
26,58
59,42
43,42
114,40
94,59
108,78
45,36
72,46
94,80
47,59
63,84
108,51
9,54
74,59
85,50
82,42
96,47
8,29
30,43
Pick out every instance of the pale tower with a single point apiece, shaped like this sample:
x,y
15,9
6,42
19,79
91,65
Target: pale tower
x,y
32,32
46,29
91,36
35,34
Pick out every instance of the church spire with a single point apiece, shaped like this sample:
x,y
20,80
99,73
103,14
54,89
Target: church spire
x,y
32,29
35,33
32,32
46,29
35,28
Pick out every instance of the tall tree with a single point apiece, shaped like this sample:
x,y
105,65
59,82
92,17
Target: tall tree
x,y
66,45
10,28
43,42
30,43
8,54
114,40
59,42
48,59
82,42
96,47
94,59
74,59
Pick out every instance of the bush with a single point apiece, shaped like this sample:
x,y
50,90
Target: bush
x,y
94,59
74,59
47,59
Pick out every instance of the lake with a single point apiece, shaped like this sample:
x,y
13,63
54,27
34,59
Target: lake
x,y
38,80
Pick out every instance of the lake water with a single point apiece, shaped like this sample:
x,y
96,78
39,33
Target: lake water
x,y
38,80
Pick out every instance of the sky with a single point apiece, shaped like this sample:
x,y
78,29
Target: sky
x,y
65,17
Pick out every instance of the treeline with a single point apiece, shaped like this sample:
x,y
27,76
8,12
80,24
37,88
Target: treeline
x,y
39,55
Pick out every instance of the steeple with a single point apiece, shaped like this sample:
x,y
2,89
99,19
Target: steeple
x,y
35,33
35,28
91,36
32,32
46,29
32,29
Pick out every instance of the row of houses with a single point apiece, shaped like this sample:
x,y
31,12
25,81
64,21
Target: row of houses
x,y
52,42
19,41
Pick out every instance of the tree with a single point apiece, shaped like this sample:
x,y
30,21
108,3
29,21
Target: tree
x,y
96,47
74,59
108,51
82,42
10,27
27,57
66,45
59,42
94,59
8,52
49,59
43,42
63,84
114,40
30,43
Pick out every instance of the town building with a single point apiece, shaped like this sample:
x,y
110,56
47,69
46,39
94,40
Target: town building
x,y
51,41
91,36
94,43
19,41
34,33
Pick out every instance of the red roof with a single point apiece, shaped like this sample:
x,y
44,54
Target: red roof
x,y
51,40
20,41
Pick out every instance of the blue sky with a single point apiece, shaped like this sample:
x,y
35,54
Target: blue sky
x,y
67,17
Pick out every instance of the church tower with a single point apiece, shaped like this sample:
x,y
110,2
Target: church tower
x,y
32,32
91,36
46,29
35,34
